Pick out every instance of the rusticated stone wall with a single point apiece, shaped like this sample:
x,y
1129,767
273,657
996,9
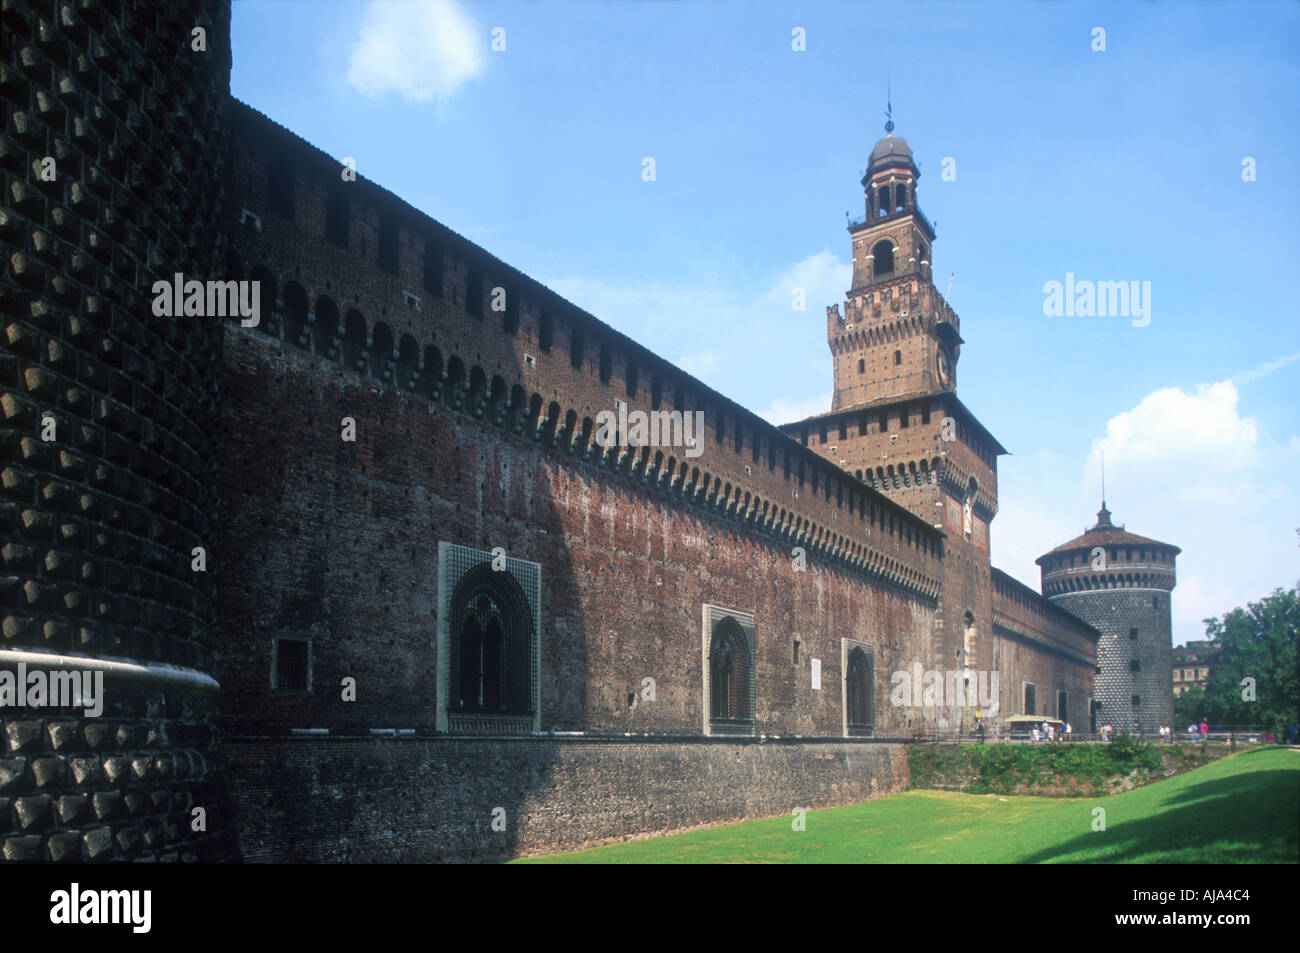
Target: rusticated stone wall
x,y
111,162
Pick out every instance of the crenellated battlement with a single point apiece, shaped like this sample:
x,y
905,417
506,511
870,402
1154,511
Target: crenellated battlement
x,y
878,308
539,368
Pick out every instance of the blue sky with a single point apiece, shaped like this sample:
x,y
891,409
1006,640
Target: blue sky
x,y
1122,164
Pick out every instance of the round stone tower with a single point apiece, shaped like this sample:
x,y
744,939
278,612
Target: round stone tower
x,y
112,166
1120,583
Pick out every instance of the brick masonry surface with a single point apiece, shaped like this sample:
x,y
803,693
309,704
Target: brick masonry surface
x,y
336,542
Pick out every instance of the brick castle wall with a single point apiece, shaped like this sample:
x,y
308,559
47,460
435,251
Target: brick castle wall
x,y
1042,644
470,430
337,543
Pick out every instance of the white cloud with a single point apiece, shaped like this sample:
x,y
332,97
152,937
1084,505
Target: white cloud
x,y
419,50
1263,370
822,278
1196,445
787,411
1185,467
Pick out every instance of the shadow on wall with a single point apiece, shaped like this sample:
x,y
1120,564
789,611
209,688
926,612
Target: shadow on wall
x,y
391,567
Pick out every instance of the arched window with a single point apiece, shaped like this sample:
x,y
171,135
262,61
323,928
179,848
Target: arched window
x,y
883,196
731,707
491,650
857,692
883,254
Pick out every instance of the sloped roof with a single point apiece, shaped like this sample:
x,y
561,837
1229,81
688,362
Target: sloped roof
x,y
1106,533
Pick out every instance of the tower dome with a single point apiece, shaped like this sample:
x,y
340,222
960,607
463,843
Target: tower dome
x,y
892,152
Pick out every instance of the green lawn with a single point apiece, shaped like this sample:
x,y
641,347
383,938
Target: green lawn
x,y
1241,809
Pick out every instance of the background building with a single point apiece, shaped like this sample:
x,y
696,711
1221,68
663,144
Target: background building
x,y
1192,664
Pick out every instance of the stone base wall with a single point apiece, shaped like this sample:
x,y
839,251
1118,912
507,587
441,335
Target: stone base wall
x,y
421,799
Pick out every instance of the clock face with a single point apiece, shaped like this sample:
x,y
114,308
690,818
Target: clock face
x,y
945,369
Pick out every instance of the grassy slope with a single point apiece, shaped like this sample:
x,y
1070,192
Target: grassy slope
x,y
1242,809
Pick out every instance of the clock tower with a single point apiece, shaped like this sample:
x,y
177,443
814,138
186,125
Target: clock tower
x,y
895,421
897,338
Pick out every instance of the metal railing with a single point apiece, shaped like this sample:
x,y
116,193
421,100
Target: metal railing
x,y
1218,734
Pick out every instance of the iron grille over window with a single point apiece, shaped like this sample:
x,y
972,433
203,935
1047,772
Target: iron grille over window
x,y
488,642
858,703
491,669
731,672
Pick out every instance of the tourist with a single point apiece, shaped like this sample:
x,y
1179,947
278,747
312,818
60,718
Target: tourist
x,y
1205,731
1191,732
1035,732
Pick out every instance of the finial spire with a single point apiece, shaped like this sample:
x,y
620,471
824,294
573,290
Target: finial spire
x,y
1103,515
1103,479
889,106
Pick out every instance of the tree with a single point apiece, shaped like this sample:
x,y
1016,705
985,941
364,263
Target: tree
x,y
1260,642
1189,708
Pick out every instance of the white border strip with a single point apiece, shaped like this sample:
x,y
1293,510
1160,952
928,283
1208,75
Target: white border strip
x,y
158,674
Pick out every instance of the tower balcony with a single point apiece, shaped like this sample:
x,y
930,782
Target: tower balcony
x,y
866,221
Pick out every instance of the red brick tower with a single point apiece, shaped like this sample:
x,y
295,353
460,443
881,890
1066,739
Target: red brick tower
x,y
895,420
